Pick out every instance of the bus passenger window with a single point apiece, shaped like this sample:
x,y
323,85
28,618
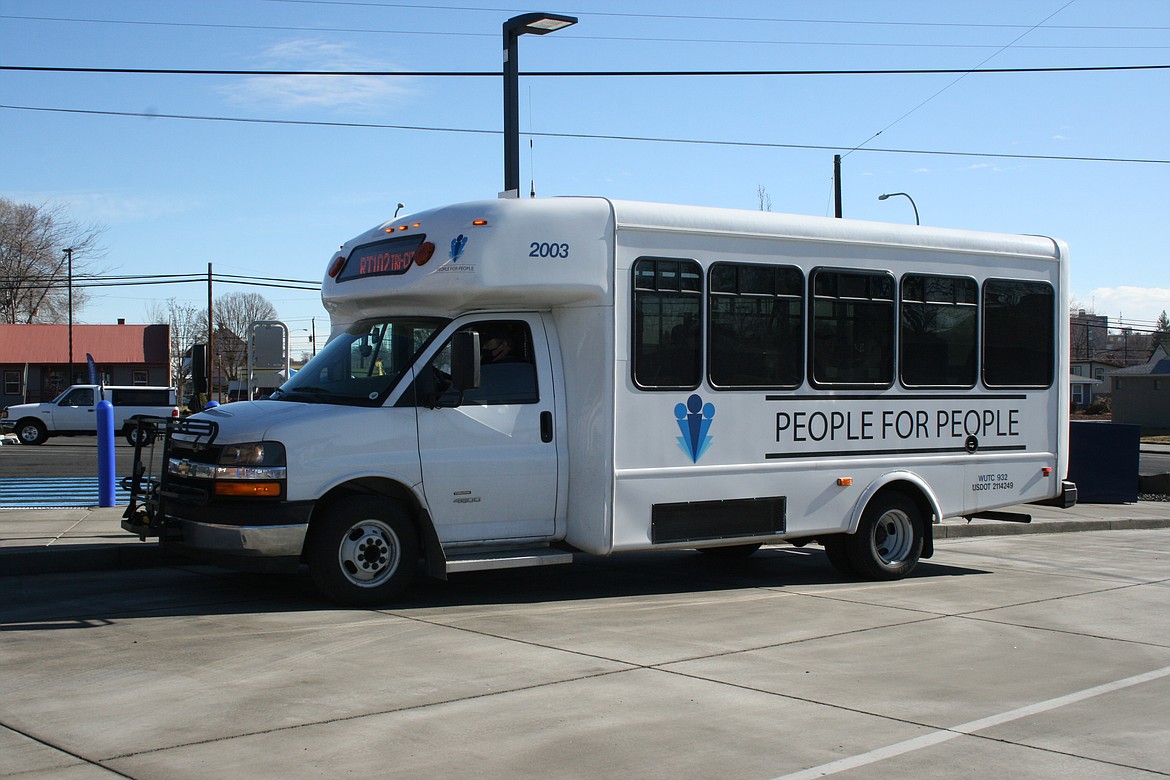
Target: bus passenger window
x,y
668,318
852,340
756,315
1019,333
938,333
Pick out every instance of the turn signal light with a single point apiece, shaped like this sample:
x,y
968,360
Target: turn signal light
x,y
845,481
238,489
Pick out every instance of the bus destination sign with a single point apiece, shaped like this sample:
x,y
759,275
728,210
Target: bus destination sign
x,y
391,257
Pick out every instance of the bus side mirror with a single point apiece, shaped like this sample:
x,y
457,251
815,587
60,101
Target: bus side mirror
x,y
465,360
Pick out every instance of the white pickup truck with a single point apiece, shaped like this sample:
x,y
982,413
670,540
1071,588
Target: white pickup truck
x,y
74,412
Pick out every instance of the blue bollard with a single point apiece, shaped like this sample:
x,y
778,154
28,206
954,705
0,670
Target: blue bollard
x,y
105,438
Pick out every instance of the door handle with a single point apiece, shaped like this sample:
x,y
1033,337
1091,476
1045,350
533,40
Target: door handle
x,y
546,427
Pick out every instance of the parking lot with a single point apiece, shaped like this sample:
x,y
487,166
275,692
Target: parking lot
x,y
1023,656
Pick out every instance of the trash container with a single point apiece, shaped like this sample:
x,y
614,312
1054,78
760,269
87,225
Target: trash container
x,y
1103,462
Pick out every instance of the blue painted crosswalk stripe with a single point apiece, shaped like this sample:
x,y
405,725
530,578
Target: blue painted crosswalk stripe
x,y
30,492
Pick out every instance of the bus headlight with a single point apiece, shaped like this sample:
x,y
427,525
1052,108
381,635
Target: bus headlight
x,y
251,469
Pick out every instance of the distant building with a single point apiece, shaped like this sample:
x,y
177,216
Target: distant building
x,y
34,359
1088,335
1090,380
1141,394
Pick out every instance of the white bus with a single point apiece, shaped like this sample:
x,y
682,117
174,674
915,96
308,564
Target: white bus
x,y
508,382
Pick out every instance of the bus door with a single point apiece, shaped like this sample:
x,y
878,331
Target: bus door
x,y
489,465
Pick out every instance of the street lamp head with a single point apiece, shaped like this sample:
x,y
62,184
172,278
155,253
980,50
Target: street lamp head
x,y
537,24
883,197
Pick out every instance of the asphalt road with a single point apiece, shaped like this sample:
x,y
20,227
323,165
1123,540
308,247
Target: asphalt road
x,y
1036,656
62,457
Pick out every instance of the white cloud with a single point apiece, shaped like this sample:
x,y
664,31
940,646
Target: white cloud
x,y
372,92
1132,303
1059,137
109,207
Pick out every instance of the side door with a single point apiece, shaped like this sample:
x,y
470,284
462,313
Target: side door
x,y
489,465
75,411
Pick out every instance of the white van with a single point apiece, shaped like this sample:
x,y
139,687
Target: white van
x,y
509,382
74,412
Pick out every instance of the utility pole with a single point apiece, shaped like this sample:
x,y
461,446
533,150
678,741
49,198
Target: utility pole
x,y
837,186
210,337
69,258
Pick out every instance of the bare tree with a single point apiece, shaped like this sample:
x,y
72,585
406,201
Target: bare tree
x,y
188,326
234,312
34,274
765,198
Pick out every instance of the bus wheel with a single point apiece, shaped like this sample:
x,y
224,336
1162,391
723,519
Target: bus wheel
x,y
31,432
363,552
734,551
888,539
837,551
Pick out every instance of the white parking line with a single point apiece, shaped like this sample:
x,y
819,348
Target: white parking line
x,y
934,738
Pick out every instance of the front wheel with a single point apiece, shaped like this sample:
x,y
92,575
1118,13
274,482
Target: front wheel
x,y
363,551
31,432
889,538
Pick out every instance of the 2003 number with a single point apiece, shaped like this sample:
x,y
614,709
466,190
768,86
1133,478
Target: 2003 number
x,y
545,249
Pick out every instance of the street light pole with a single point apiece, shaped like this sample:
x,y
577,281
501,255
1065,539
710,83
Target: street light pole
x,y
525,24
907,197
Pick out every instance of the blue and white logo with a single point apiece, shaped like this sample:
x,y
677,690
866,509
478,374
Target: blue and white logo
x,y
458,244
694,421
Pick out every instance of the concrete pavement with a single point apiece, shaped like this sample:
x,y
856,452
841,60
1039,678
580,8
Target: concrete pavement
x,y
42,541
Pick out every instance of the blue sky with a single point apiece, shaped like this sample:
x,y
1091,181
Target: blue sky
x,y
275,200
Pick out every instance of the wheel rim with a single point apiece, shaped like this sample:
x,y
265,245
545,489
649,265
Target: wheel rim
x,y
29,433
893,537
369,553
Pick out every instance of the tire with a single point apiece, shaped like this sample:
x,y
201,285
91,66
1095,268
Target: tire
x,y
132,430
837,551
363,551
31,432
734,551
889,538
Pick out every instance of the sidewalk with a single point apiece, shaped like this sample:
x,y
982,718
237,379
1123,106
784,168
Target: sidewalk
x,y
43,541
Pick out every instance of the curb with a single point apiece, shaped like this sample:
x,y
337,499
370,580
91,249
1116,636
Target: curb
x,y
83,558
969,530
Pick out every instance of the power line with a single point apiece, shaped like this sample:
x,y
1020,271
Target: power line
x,y
614,38
586,136
690,17
574,73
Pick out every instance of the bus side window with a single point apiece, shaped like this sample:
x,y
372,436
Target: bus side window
x,y
852,329
1019,333
668,324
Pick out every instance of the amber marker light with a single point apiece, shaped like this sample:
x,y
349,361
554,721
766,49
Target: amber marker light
x,y
479,222
845,481
248,489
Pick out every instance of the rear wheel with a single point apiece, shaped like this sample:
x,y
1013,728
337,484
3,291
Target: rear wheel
x,y
889,538
837,551
31,432
363,551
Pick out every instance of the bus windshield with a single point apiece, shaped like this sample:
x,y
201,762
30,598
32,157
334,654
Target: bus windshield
x,y
361,366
